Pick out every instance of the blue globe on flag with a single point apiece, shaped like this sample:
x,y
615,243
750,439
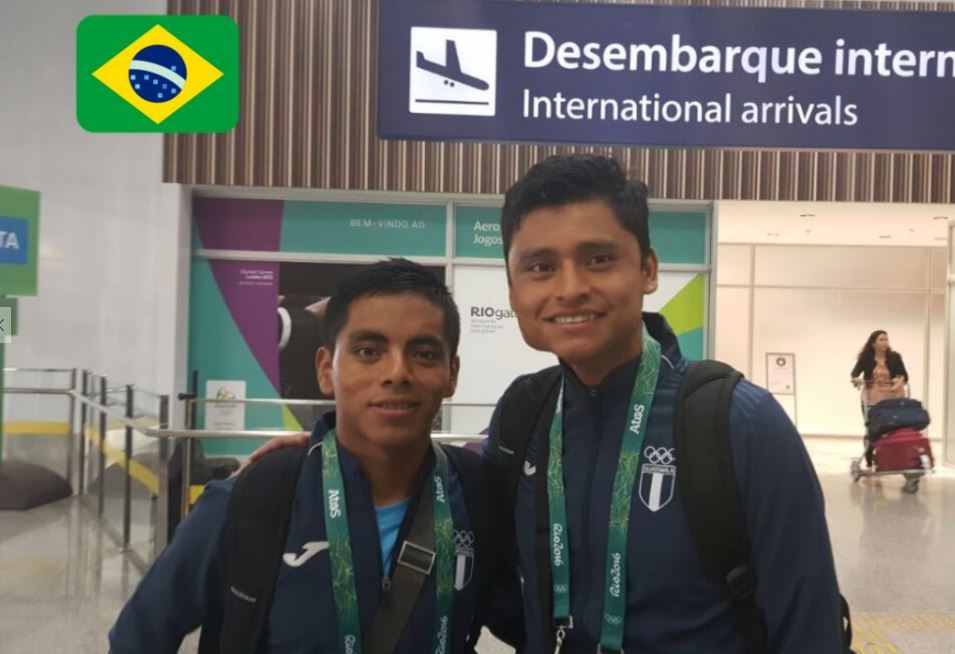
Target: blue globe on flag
x,y
157,73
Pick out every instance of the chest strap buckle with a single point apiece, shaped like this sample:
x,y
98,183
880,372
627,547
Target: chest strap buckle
x,y
416,558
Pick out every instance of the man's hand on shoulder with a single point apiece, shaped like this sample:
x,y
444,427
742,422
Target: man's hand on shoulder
x,y
273,444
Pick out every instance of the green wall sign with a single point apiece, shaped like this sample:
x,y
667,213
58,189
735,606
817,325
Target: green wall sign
x,y
19,240
677,236
477,232
364,228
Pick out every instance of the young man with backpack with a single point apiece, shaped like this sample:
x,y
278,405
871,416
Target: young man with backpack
x,y
659,506
683,515
370,540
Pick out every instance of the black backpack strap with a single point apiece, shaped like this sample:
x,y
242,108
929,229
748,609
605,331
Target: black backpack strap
x,y
525,409
522,408
499,606
253,541
412,568
707,481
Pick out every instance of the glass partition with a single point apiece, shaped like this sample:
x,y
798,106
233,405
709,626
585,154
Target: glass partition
x,y
36,428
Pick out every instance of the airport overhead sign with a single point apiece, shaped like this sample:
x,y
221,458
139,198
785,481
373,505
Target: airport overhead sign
x,y
19,240
666,76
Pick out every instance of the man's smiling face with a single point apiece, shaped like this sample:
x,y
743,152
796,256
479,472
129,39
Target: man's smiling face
x,y
391,368
577,284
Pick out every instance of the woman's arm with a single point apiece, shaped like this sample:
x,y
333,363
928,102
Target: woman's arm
x,y
899,370
857,370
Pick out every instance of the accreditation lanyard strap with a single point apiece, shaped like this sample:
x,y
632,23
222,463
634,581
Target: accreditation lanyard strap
x,y
641,400
342,563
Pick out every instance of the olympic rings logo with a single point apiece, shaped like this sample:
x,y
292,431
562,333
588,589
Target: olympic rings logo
x,y
660,455
463,539
614,620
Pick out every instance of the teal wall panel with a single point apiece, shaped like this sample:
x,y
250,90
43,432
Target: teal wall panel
x,y
364,228
679,236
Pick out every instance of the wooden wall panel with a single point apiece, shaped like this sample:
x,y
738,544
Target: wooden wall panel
x,y
308,107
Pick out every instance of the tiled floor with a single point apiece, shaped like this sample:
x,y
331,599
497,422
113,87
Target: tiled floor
x,y
895,553
62,580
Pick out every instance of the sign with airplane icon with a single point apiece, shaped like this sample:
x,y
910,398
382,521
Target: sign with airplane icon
x,y
453,71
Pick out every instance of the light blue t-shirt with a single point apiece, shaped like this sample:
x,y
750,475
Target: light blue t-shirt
x,y
389,523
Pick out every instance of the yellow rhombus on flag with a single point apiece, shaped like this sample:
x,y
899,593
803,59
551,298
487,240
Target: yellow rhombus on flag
x,y
115,74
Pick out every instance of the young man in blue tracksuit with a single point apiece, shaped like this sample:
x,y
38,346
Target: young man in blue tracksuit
x,y
626,572
579,262
389,361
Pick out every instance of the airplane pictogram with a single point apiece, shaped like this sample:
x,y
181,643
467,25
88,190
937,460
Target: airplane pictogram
x,y
451,70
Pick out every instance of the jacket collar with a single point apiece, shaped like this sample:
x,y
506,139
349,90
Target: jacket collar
x,y
621,377
350,464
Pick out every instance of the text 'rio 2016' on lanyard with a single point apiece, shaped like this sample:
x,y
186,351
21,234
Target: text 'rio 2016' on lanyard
x,y
342,563
615,585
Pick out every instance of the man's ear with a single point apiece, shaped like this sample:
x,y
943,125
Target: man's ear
x,y
651,272
324,359
452,384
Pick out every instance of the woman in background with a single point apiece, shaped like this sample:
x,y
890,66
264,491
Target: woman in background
x,y
883,373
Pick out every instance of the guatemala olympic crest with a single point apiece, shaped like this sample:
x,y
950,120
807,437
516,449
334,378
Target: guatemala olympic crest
x,y
657,477
464,558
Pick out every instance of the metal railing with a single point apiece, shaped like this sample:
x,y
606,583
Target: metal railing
x,y
101,409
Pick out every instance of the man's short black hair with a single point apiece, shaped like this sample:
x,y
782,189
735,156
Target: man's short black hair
x,y
564,179
392,277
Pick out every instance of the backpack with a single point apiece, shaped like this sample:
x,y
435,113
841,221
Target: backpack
x,y
255,534
893,414
701,436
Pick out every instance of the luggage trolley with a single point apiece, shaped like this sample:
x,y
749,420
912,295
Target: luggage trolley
x,y
894,424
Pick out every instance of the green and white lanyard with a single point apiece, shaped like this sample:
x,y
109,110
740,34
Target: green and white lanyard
x,y
615,585
342,564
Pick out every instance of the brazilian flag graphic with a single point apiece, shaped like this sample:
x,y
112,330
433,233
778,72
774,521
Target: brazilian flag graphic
x,y
138,73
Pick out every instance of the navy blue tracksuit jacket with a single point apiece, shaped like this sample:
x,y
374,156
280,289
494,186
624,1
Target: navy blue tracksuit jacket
x,y
673,607
183,589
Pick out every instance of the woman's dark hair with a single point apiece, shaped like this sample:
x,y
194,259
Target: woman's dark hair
x,y
392,277
867,353
564,179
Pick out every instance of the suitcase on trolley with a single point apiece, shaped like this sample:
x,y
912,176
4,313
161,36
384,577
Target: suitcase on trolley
x,y
903,449
895,414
